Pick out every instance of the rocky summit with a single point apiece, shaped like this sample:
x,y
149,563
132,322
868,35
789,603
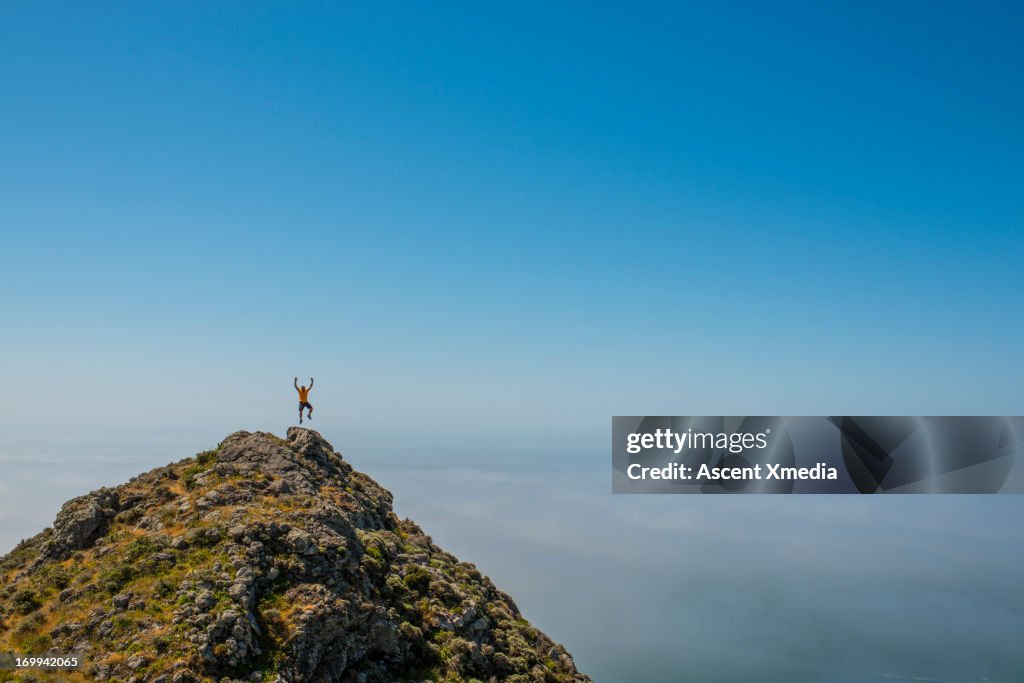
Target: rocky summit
x,y
264,559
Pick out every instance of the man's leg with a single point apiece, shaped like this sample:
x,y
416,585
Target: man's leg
x,y
309,412
300,413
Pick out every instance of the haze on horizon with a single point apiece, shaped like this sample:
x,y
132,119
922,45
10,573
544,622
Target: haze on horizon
x,y
848,589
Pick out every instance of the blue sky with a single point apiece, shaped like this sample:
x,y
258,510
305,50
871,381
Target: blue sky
x,y
512,220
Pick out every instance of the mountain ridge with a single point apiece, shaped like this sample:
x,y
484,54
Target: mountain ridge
x,y
264,559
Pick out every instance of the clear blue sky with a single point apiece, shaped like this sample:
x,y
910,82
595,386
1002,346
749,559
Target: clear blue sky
x,y
513,220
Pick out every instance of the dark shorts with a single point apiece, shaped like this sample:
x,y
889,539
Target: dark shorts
x,y
305,404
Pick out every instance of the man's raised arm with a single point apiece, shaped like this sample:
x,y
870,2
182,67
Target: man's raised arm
x,y
310,382
296,384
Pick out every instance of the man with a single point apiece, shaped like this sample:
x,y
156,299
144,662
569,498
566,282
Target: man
x,y
304,399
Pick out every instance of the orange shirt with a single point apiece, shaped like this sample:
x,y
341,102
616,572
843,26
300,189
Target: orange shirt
x,y
303,395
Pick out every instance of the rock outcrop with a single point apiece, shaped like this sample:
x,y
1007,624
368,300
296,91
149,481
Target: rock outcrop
x,y
265,559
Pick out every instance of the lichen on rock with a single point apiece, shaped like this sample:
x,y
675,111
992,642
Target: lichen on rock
x,y
265,559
